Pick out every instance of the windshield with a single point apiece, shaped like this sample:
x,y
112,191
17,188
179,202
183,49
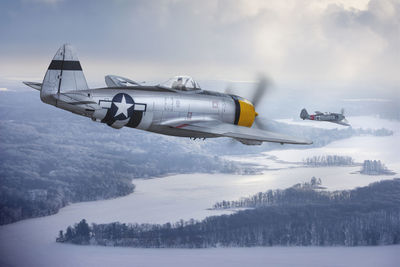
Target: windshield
x,y
183,83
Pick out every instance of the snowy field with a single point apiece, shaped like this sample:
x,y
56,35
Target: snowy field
x,y
82,256
32,242
360,148
365,122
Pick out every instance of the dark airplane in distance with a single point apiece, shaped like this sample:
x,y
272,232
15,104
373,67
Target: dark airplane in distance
x,y
338,118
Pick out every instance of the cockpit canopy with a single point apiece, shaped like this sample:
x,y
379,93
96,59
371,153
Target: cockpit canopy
x,y
183,83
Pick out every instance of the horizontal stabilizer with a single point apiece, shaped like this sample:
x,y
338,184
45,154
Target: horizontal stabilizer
x,y
118,81
34,85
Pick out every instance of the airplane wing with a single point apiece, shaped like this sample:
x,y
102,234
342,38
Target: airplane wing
x,y
34,85
118,81
341,123
249,136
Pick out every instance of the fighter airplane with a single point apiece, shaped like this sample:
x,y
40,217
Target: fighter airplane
x,y
338,118
178,107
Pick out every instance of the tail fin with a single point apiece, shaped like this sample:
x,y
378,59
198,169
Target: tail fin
x,y
64,74
304,114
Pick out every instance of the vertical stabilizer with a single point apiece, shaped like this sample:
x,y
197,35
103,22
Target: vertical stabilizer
x,y
304,114
64,74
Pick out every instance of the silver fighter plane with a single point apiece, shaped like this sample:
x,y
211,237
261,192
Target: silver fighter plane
x,y
338,118
178,107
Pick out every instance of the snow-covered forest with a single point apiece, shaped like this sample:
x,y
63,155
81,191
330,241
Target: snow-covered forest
x,y
329,160
297,216
375,167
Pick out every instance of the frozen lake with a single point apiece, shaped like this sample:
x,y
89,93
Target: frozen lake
x,y
32,242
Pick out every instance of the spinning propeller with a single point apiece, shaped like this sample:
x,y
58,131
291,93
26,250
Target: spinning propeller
x,y
261,88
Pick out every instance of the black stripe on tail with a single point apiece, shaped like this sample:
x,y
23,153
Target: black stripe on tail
x,y
65,65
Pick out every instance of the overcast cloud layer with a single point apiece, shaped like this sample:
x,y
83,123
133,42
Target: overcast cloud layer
x,y
307,43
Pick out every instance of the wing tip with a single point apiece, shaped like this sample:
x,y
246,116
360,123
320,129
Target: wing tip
x,y
305,142
34,85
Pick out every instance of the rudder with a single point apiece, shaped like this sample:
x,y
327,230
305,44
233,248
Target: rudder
x,y
64,74
304,114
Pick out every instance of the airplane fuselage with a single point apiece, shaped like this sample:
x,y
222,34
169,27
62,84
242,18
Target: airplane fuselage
x,y
338,118
325,117
154,108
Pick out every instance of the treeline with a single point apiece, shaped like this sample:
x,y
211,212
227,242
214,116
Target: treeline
x,y
375,167
330,160
364,216
300,194
23,198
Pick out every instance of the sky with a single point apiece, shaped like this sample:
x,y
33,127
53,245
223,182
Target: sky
x,y
313,44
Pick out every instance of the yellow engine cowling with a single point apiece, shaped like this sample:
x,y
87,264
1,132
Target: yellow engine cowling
x,y
247,113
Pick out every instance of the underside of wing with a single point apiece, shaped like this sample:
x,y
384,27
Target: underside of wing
x,y
341,123
248,136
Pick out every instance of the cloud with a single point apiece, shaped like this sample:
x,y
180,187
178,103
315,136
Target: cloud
x,y
383,100
2,89
367,38
299,41
303,42
52,2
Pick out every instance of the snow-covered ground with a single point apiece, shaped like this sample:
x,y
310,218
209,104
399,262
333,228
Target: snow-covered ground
x,y
32,242
365,122
82,256
318,124
360,148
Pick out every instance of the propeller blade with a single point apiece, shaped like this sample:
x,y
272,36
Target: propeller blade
x,y
262,87
262,124
229,90
342,111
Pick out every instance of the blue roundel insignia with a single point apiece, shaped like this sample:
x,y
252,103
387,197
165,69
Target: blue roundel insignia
x,y
122,106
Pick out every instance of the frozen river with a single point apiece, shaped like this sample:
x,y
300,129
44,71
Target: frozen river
x,y
32,242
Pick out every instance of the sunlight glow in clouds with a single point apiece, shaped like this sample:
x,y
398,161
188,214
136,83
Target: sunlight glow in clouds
x,y
305,42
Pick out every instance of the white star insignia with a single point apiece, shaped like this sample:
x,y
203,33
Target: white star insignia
x,y
122,107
